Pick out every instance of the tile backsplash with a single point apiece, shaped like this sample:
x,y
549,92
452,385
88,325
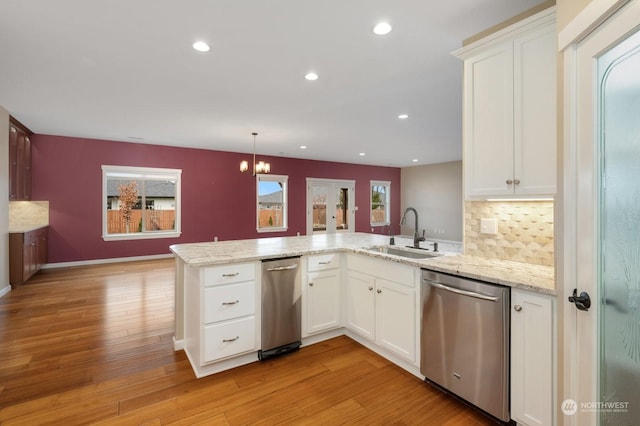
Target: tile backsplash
x,y
28,213
525,231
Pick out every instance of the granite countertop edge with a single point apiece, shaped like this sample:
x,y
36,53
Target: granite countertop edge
x,y
531,277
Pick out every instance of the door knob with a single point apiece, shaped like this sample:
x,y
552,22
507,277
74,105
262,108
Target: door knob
x,y
582,302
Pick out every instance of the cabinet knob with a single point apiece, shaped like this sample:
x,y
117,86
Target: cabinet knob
x,y
516,181
517,308
310,284
370,288
379,291
509,181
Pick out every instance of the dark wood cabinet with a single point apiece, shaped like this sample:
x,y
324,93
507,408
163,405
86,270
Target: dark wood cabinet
x,y
19,162
28,251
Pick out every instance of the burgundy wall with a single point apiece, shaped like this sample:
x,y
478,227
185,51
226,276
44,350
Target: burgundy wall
x,y
217,200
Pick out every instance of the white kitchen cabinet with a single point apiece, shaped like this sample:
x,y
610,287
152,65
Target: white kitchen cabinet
x,y
509,128
532,358
220,314
382,301
360,293
395,318
323,288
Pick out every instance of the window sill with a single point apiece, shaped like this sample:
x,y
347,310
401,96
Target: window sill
x,y
141,236
261,230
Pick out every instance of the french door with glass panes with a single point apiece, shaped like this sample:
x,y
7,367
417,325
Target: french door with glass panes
x,y
330,206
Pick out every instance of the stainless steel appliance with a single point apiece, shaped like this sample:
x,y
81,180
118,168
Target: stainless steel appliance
x,y
281,307
465,340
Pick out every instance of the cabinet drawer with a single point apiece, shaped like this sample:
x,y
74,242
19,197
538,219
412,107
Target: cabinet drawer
x,y
321,262
223,302
234,273
229,338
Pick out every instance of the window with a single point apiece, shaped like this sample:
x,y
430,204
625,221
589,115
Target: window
x,y
380,197
272,203
125,190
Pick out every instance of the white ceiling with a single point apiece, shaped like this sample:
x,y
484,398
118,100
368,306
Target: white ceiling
x,y
125,70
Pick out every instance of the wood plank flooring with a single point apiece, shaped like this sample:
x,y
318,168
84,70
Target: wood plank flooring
x,y
93,345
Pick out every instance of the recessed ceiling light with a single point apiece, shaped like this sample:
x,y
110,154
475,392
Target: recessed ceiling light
x,y
312,76
403,116
201,46
382,28
303,147
362,154
415,160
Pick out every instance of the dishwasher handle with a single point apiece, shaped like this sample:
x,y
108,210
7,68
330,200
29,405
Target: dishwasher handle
x,y
464,292
282,268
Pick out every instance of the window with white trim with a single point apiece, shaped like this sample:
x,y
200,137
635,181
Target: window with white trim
x,y
140,203
380,202
271,215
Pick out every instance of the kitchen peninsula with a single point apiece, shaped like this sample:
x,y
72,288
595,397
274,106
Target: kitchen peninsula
x,y
195,261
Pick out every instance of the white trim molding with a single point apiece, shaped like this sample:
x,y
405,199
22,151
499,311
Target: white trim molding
x,y
594,14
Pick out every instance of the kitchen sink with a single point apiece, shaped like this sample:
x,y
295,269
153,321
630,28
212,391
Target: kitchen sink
x,y
403,252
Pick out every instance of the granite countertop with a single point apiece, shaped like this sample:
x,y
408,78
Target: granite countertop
x,y
514,274
25,228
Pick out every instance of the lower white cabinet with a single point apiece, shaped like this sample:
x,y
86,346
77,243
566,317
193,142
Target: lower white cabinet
x,y
532,358
382,300
323,288
220,313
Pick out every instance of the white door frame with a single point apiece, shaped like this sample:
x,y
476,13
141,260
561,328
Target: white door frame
x,y
578,215
335,183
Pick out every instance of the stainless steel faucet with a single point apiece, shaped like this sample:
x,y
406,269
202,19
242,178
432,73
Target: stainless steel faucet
x,y
416,236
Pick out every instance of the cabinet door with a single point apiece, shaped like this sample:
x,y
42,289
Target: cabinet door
x,y
323,301
532,366
19,164
535,112
13,163
360,304
396,318
488,122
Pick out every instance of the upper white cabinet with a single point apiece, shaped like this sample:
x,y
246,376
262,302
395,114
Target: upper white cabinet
x,y
509,126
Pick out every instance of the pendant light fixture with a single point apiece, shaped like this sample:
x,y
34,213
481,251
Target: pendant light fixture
x,y
260,167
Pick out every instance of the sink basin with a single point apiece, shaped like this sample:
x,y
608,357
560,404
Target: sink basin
x,y
404,252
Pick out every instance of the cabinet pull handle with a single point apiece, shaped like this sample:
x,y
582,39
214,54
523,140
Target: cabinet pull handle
x,y
509,181
310,284
516,181
379,291
370,288
517,308
231,303
230,340
235,274
324,263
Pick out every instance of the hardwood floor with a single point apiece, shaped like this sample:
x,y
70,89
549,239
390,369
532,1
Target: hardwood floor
x,y
93,345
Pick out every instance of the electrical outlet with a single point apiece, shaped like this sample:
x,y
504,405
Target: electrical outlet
x,y
489,226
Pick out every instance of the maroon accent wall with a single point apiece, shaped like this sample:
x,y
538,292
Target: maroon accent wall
x,y
217,200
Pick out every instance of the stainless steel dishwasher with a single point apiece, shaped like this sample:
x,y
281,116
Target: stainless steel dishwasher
x,y
465,340
281,307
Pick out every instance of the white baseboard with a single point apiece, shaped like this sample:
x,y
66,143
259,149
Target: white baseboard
x,y
5,290
104,261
